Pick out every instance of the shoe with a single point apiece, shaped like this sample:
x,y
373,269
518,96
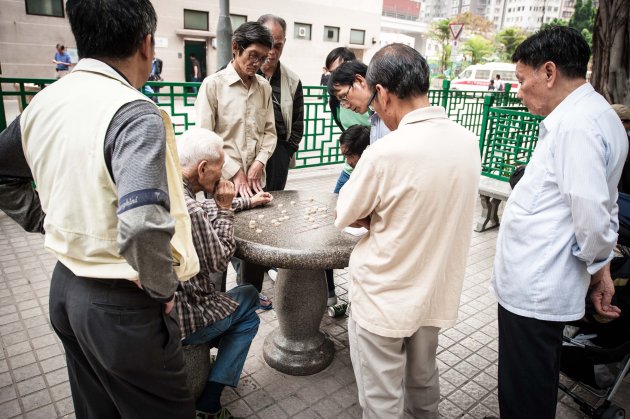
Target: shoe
x,y
223,413
273,274
332,299
264,302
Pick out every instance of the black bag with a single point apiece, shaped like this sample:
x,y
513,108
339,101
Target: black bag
x,y
518,173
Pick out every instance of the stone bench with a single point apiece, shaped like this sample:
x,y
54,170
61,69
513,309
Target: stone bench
x,y
197,366
491,192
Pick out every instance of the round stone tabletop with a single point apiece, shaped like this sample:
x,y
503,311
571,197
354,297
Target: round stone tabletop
x,y
294,231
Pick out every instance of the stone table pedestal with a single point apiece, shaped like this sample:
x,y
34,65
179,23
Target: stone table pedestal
x,y
295,233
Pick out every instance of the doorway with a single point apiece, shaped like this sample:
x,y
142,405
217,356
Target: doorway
x,y
199,49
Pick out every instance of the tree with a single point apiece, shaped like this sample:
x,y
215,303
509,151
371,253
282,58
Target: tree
x,y
478,48
611,51
583,19
554,22
441,32
509,39
583,16
474,23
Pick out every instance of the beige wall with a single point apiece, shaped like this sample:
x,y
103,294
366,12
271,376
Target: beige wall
x,y
27,42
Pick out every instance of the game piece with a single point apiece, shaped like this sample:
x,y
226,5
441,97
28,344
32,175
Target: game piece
x,y
252,224
284,211
292,202
280,205
258,231
261,215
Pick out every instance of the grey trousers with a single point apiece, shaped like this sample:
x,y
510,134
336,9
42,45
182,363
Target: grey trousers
x,y
396,377
123,352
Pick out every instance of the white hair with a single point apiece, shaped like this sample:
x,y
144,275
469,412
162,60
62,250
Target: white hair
x,y
199,144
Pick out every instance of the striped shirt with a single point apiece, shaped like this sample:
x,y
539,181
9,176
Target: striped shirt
x,y
198,303
560,223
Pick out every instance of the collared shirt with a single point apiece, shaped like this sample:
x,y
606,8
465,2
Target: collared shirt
x,y
242,116
297,122
198,303
560,223
419,186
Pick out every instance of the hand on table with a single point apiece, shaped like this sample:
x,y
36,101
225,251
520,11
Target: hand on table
x,y
261,198
254,173
240,183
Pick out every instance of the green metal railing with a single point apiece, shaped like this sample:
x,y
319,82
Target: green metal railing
x,y
508,138
319,145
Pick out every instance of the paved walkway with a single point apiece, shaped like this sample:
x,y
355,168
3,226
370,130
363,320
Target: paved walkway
x,y
34,382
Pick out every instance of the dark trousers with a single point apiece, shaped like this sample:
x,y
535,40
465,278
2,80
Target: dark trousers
x,y
529,366
277,168
123,352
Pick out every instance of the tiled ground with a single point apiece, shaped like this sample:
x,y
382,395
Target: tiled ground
x,y
34,382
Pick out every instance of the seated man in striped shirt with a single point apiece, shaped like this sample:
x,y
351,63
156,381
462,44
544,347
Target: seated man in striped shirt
x,y
204,313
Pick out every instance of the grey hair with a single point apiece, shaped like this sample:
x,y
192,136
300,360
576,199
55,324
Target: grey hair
x,y
273,18
400,69
199,144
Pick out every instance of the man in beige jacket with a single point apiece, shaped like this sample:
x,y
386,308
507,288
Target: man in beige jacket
x,y
415,189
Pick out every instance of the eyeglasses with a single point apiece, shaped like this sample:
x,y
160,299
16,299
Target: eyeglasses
x,y
369,104
344,98
255,58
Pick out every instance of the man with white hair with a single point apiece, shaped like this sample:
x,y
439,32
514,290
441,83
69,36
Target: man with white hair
x,y
205,313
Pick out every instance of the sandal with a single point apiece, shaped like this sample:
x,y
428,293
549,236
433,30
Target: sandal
x,y
264,302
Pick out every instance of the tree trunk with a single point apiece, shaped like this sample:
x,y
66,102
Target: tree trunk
x,y
611,51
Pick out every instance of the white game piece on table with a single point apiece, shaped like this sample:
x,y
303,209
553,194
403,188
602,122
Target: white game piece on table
x,y
258,231
252,224
284,211
292,202
280,205
306,217
261,215
311,219
274,221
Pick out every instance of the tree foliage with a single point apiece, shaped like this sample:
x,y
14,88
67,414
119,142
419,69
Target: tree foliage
x,y
478,48
554,22
611,51
583,19
508,39
441,32
474,23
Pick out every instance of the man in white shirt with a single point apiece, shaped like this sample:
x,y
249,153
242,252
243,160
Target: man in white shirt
x,y
415,189
560,223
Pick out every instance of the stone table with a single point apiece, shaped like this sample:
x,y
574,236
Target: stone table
x,y
295,233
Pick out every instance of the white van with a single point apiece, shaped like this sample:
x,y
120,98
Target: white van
x,y
477,77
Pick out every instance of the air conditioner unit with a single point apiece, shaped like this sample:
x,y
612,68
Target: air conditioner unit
x,y
302,32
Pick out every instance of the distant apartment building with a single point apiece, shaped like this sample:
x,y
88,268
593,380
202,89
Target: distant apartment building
x,y
401,22
30,29
477,7
528,14
434,9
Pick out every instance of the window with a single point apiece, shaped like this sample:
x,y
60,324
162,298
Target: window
x,y
194,19
331,34
357,36
45,7
482,74
302,31
237,20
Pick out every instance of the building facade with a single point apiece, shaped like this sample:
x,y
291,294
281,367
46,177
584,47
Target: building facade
x,y
30,29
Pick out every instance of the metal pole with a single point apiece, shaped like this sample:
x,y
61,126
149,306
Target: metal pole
x,y
224,34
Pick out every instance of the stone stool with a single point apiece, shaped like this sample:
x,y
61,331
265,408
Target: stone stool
x,y
197,367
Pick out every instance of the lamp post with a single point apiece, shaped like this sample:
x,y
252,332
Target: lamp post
x,y
224,34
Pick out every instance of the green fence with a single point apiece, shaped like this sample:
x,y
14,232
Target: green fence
x,y
507,139
319,145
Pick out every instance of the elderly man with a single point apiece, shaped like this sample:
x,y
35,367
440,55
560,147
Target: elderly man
x,y
288,105
237,104
204,313
123,237
417,197
560,224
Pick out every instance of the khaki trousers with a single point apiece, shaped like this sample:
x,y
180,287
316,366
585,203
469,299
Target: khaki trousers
x,y
396,377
